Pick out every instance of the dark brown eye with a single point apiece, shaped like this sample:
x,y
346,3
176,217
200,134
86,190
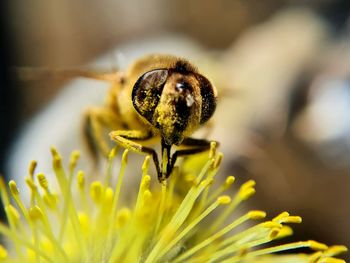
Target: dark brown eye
x,y
208,94
147,91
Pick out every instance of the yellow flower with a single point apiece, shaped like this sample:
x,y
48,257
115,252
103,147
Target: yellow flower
x,y
187,218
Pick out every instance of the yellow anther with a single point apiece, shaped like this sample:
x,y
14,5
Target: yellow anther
x,y
13,213
96,190
3,252
54,152
123,217
42,181
331,260
74,157
35,213
274,232
57,162
212,150
13,188
248,184
108,197
29,181
218,160
224,200
285,231
317,245
147,196
245,193
81,179
280,216
190,178
292,220
335,250
31,168
271,224
112,154
84,221
229,180
146,181
145,165
256,214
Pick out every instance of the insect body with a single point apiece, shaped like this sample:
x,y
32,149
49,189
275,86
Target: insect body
x,y
158,96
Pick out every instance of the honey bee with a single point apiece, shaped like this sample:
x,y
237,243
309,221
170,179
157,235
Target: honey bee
x,y
158,96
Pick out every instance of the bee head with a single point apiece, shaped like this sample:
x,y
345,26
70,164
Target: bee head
x,y
175,100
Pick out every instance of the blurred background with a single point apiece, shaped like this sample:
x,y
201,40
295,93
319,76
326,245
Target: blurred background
x,y
285,124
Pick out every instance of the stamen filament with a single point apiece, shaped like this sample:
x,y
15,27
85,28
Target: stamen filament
x,y
212,238
279,248
193,223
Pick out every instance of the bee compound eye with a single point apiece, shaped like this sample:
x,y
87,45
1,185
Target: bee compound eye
x,y
208,93
147,91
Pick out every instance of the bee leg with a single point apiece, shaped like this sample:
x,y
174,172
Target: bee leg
x,y
126,139
166,159
95,122
197,146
